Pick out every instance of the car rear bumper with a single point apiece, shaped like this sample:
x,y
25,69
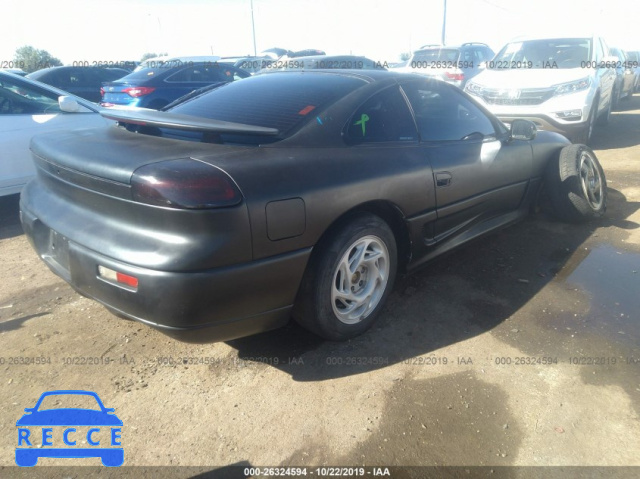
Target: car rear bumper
x,y
196,306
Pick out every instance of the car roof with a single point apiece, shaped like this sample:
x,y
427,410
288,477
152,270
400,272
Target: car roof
x,y
369,76
329,57
179,59
559,36
452,47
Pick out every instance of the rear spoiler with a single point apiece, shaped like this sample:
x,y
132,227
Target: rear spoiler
x,y
162,119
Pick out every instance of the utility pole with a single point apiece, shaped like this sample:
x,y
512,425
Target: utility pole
x,y
253,27
444,22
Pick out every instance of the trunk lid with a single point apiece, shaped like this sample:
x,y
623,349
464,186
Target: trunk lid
x,y
111,153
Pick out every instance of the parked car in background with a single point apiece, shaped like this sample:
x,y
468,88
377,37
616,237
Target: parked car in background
x,y
325,62
26,108
625,78
84,82
305,53
15,71
453,64
633,60
274,53
157,82
249,64
288,194
561,84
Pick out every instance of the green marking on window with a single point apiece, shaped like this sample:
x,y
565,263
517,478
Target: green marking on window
x,y
364,118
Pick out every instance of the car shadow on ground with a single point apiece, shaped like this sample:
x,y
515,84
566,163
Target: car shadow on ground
x,y
457,297
623,130
10,216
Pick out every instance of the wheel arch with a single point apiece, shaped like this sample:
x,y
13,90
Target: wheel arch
x,y
390,213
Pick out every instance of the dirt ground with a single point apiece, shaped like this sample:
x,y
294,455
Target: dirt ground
x,y
521,349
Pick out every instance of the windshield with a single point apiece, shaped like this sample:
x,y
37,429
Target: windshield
x,y
69,401
274,100
550,53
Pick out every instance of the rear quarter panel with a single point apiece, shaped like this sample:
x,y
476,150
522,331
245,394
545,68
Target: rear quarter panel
x,y
331,182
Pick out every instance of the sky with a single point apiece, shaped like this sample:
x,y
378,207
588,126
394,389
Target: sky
x,y
119,30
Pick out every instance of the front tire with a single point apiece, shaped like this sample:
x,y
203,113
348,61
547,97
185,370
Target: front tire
x,y
585,134
348,279
605,117
576,185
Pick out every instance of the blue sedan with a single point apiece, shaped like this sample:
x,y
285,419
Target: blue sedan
x,y
158,82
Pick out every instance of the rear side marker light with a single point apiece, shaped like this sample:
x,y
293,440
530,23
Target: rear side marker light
x,y
113,276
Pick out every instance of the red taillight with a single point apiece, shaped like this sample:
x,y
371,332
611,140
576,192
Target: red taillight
x,y
101,91
126,279
114,276
136,91
457,76
184,183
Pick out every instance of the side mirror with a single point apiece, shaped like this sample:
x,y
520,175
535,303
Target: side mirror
x,y
68,104
523,130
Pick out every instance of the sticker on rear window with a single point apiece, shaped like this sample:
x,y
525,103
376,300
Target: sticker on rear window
x,y
364,118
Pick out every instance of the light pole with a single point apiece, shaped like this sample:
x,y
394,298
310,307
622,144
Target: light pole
x,y
444,22
253,28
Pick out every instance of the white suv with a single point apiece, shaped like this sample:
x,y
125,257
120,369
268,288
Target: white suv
x,y
561,84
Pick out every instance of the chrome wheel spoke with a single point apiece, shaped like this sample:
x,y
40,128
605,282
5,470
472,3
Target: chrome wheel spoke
x,y
591,181
360,279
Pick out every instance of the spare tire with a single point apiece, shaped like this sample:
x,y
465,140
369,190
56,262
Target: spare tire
x,y
576,185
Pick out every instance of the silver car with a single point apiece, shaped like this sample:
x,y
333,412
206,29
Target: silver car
x,y
561,84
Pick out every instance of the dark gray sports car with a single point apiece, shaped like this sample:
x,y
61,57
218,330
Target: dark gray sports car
x,y
288,194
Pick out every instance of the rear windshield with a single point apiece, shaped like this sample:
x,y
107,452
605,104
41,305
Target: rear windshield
x,y
274,100
436,55
550,53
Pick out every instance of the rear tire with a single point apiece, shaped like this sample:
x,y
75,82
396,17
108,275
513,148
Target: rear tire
x,y
348,279
576,185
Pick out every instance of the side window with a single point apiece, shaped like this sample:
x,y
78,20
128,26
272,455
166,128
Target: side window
x,y
205,73
184,75
445,114
385,117
22,98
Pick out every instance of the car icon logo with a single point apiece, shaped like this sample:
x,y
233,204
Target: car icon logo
x,y
69,432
